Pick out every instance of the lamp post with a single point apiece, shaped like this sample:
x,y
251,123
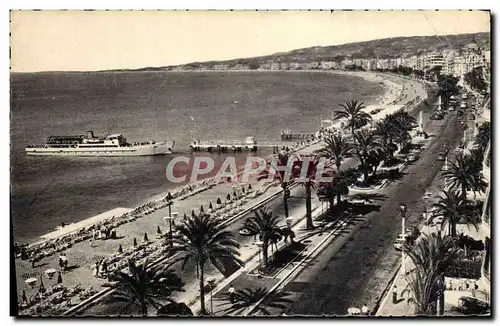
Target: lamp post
x,y
289,221
445,168
403,208
170,200
211,284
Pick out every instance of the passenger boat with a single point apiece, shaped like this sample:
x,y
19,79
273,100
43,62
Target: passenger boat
x,y
107,145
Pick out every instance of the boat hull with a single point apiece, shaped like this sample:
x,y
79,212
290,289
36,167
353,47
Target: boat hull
x,y
159,148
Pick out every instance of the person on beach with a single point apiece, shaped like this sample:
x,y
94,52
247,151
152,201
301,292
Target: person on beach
x,y
63,262
96,270
33,259
231,293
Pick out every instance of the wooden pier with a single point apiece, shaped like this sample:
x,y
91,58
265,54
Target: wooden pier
x,y
249,144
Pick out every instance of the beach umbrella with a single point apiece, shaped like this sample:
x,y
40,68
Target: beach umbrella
x,y
228,197
31,281
192,213
158,230
201,209
59,278
50,273
210,206
120,249
146,237
218,201
135,242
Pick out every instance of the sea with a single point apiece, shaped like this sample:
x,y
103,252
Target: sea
x,y
180,106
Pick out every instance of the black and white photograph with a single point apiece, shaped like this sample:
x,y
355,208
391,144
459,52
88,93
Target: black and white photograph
x,y
250,163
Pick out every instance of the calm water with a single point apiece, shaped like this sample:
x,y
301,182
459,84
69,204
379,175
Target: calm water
x,y
228,105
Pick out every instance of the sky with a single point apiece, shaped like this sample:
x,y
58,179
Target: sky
x,y
100,40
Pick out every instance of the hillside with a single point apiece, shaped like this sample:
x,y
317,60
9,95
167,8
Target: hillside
x,y
382,48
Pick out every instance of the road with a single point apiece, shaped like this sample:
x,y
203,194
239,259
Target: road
x,y
355,271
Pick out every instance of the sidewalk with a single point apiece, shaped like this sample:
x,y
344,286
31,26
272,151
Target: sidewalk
x,y
404,307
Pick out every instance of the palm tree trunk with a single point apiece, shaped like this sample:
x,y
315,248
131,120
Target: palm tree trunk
x,y
364,167
265,246
144,307
464,192
284,185
309,221
202,289
338,198
453,226
441,298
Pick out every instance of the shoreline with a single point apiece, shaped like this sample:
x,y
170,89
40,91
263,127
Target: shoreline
x,y
386,97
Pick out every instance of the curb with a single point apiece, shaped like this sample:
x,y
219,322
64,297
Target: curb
x,y
385,293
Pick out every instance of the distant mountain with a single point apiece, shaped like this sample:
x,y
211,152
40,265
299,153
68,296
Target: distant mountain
x,y
382,48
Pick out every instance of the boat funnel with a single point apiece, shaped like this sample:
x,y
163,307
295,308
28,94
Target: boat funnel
x,y
90,134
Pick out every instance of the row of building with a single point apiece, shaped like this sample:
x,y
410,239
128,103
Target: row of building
x,y
453,62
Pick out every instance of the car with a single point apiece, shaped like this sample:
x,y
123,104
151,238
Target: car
x,y
463,105
244,231
441,156
473,306
451,108
437,116
412,158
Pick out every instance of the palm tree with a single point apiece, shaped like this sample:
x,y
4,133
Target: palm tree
x,y
308,182
174,309
141,287
263,223
396,126
202,240
431,255
385,129
353,112
340,184
452,208
248,297
337,149
464,174
365,143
